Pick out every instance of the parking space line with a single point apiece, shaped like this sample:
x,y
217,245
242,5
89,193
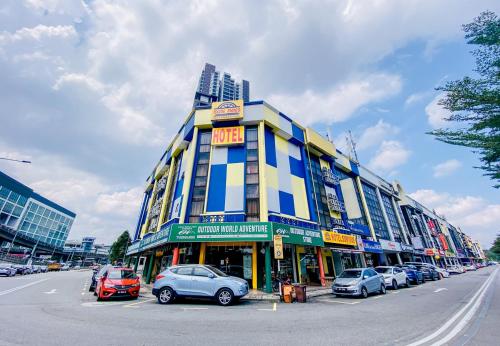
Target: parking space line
x,y
194,308
137,303
338,302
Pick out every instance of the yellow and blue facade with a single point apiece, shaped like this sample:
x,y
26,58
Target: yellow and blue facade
x,y
239,174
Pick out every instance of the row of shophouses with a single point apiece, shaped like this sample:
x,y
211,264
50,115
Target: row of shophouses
x,y
247,189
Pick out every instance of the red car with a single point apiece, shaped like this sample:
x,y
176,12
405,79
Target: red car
x,y
118,282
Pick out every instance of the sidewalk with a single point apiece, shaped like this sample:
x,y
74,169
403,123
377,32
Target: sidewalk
x,y
257,295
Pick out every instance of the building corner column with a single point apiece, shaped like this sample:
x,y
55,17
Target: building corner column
x,y
175,258
320,265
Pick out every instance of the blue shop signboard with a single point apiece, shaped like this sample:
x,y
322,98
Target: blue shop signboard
x,y
372,246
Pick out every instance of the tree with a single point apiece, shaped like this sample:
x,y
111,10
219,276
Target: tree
x,y
475,102
496,247
119,247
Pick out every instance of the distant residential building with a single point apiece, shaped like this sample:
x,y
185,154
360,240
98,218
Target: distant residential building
x,y
212,88
31,218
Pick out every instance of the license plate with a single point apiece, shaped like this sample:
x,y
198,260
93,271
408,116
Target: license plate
x,y
122,292
342,289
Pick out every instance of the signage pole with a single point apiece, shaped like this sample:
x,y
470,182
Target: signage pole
x,y
269,288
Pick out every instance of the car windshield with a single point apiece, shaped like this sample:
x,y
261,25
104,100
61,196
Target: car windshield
x,y
217,271
351,274
121,274
383,270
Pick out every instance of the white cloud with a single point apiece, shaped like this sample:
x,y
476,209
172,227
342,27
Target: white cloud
x,y
436,114
375,134
446,168
474,215
415,98
391,154
339,103
38,32
103,209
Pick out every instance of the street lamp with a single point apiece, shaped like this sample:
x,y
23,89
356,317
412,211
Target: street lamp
x,y
21,161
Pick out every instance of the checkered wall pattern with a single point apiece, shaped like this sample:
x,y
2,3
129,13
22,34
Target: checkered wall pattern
x,y
285,173
226,190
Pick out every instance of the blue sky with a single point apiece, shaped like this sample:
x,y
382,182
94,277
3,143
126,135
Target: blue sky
x,y
92,92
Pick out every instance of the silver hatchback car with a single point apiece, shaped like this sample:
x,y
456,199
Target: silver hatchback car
x,y
358,282
199,281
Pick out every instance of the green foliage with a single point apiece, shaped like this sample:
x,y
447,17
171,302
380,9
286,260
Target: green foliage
x,y
475,102
119,247
496,247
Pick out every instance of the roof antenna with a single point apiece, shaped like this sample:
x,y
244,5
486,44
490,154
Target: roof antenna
x,y
329,134
352,146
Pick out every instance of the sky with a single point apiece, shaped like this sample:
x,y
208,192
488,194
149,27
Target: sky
x,y
92,92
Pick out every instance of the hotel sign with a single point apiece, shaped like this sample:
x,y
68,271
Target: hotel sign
x,y
339,238
228,135
221,232
227,110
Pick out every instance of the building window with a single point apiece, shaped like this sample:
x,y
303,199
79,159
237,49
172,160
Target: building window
x,y
200,179
325,220
375,210
391,215
252,205
360,220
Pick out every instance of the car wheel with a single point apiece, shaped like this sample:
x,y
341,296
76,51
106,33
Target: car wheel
x,y
434,278
407,283
98,296
383,290
440,276
364,292
224,296
166,295
394,285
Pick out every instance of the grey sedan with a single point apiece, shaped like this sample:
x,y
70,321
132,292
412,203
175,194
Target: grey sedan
x,y
7,269
199,281
358,282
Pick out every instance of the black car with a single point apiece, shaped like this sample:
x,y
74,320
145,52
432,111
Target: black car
x,y
97,273
413,273
429,272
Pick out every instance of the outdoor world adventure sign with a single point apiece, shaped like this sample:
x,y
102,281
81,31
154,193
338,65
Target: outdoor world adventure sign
x,y
227,231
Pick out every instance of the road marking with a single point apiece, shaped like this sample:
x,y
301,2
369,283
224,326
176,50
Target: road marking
x,y
98,304
194,308
274,306
137,303
393,292
440,289
338,302
377,297
445,326
21,287
51,291
465,319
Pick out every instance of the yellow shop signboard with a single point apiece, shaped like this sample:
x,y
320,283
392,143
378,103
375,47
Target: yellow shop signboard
x,y
227,110
339,238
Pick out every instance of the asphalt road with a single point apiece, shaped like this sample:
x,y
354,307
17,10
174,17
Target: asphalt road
x,y
57,309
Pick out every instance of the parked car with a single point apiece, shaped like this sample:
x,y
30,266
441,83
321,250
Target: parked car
x,y
455,269
36,269
44,269
428,270
393,276
118,282
358,282
442,272
21,269
54,267
65,267
76,267
6,269
470,267
96,275
198,281
413,273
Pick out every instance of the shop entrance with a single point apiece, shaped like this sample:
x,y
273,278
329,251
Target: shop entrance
x,y
234,260
392,259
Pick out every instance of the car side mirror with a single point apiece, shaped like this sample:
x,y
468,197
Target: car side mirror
x,y
211,276
365,277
